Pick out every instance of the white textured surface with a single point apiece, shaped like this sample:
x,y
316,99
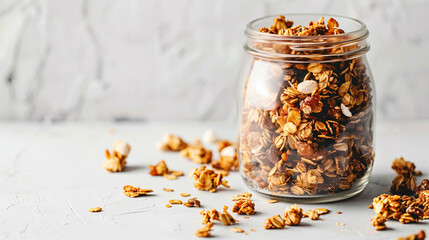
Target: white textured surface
x,y
169,59
51,175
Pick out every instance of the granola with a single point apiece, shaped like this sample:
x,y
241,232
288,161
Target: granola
x,y
400,165
379,222
207,179
292,215
115,161
192,202
237,230
228,159
274,222
207,216
95,209
424,186
306,128
131,191
243,204
421,235
172,143
161,169
226,218
197,153
204,231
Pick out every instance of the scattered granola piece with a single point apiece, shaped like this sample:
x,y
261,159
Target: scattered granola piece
x,y
272,201
175,201
404,184
161,169
168,189
252,230
95,209
192,202
246,217
292,215
228,159
421,235
116,161
274,222
209,136
340,224
243,204
400,165
379,222
339,212
204,231
185,194
172,143
207,216
167,205
131,191
207,179
237,230
312,214
226,218
197,153
424,186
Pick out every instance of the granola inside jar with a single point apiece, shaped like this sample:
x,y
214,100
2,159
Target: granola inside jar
x,y
307,109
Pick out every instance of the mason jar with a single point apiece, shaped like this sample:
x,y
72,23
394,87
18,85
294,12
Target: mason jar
x,y
307,111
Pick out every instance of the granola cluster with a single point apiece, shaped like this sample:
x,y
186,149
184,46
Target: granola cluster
x,y
172,143
192,202
214,215
306,127
228,158
292,215
207,179
405,181
379,222
116,161
161,169
197,153
421,235
131,191
404,209
204,231
243,204
274,222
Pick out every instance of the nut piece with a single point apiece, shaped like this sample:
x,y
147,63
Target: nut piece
x,y
162,169
228,159
272,201
209,136
192,202
421,235
379,222
274,222
131,191
292,215
95,209
308,86
175,201
226,218
207,179
168,189
116,161
167,205
185,194
204,231
243,204
424,186
197,153
172,143
345,110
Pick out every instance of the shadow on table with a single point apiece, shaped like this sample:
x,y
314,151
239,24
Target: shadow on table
x,y
133,168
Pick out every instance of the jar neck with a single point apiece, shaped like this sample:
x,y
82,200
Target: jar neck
x,y
298,49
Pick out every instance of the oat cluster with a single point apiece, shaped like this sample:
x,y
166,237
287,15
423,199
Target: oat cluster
x,y
207,179
404,209
204,231
161,169
243,204
405,181
292,215
214,215
172,143
131,191
306,127
379,222
424,186
228,159
285,27
192,202
421,235
197,153
115,161
274,222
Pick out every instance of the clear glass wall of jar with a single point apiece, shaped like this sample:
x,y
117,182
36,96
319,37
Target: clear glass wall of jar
x,y
307,112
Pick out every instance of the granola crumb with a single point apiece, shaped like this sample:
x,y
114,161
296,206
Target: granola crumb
x,y
185,194
339,212
167,205
95,209
246,217
172,143
168,189
192,202
379,222
204,231
197,153
226,218
131,191
115,161
243,204
252,230
175,201
207,179
207,216
340,224
272,201
237,230
274,222
161,169
421,235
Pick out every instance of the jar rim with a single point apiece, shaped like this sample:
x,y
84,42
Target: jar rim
x,y
252,32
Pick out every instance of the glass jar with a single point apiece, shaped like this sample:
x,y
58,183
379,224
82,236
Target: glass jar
x,y
307,112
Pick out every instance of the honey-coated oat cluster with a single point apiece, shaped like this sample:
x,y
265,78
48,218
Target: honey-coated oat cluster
x,y
306,127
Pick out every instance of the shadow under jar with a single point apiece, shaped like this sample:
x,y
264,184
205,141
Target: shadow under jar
x,y
307,112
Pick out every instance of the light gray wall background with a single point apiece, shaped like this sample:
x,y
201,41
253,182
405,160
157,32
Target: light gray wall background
x,y
179,59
